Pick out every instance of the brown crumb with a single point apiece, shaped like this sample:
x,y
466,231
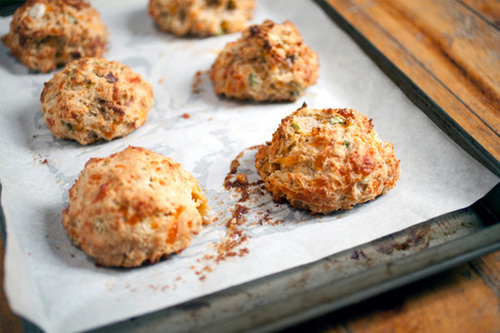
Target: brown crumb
x,y
197,82
242,178
232,244
39,158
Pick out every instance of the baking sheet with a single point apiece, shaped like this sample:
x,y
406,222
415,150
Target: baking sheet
x,y
57,287
293,296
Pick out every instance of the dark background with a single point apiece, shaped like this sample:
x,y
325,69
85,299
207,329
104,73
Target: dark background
x,y
7,7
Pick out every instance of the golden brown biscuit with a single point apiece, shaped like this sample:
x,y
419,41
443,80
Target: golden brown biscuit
x,y
46,34
134,207
270,62
325,160
93,99
201,18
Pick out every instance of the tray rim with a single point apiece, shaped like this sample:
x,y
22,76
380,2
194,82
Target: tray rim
x,y
453,252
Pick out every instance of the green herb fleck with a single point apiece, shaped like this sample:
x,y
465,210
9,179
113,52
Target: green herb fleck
x,y
298,89
73,19
252,80
69,126
346,143
336,120
296,127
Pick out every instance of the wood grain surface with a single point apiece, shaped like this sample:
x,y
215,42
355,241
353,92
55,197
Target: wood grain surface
x,y
447,50
8,321
450,51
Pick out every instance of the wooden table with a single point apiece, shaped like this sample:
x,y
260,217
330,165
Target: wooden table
x,y
445,55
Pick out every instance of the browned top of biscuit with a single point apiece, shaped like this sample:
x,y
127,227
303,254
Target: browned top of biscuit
x,y
93,99
201,18
132,207
45,34
324,160
270,62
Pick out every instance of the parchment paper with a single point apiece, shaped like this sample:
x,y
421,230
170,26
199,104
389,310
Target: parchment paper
x,y
57,286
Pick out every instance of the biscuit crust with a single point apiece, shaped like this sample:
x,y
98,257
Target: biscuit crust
x,y
326,160
134,207
93,99
270,62
47,34
201,18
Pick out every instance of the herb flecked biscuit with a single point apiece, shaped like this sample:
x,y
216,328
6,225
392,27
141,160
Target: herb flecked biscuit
x,y
201,18
47,34
93,99
134,207
270,62
325,160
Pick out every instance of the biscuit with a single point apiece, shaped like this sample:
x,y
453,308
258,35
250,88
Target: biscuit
x,y
270,62
93,99
134,207
325,160
47,34
201,18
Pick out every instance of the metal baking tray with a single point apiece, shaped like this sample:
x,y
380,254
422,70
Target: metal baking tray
x,y
292,296
342,279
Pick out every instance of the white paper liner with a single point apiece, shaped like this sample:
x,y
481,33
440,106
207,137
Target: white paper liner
x,y
55,285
